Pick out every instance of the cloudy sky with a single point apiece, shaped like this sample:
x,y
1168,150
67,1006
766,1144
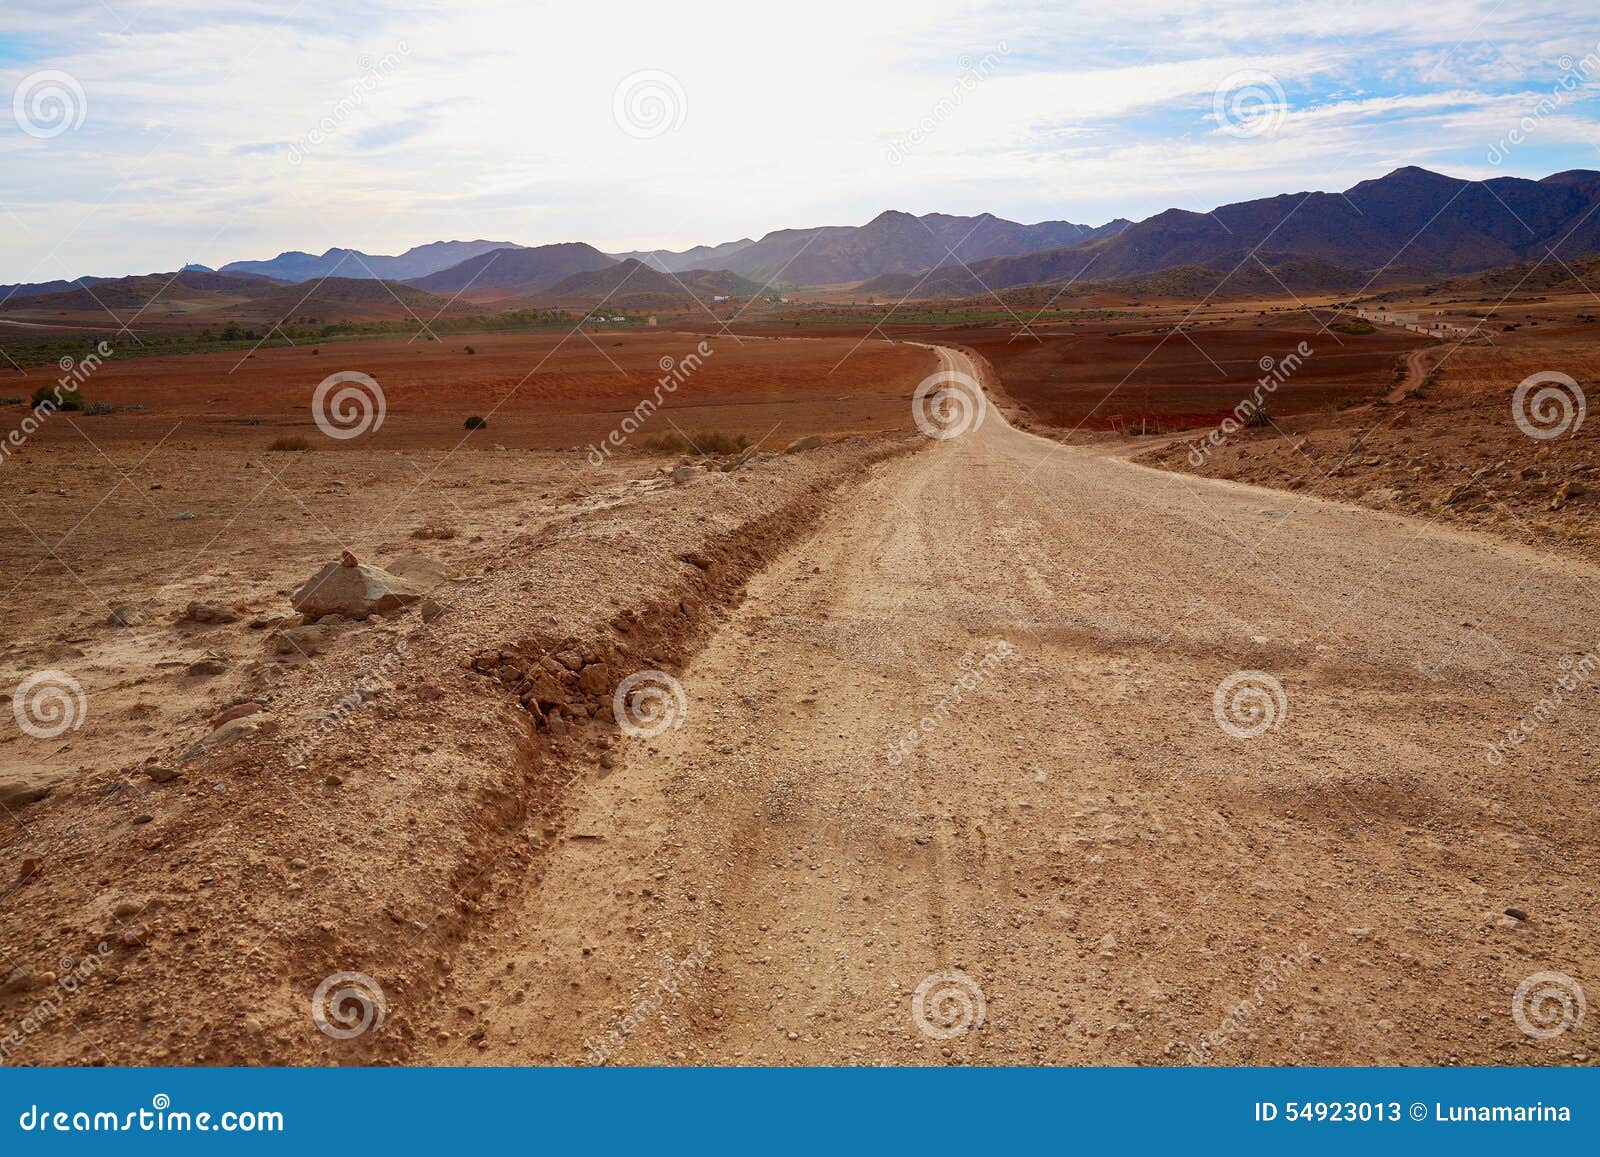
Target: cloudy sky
x,y
145,133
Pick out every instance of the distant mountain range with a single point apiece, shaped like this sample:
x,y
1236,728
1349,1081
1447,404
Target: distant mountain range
x,y
631,281
892,242
1412,222
1411,217
247,296
417,262
517,270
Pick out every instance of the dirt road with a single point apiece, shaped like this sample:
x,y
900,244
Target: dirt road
x,y
966,740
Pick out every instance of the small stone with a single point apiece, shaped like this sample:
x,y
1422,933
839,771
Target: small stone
x,y
347,559
430,610
607,760
199,612
143,818
430,692
160,773
14,795
210,665
237,711
128,615
333,779
1516,913
809,442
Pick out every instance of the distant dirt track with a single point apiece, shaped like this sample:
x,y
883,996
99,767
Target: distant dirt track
x,y
1073,831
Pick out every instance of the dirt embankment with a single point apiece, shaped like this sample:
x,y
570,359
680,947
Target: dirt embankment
x,y
1457,447
186,910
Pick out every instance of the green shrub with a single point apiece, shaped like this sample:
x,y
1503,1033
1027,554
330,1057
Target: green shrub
x,y
94,408
475,423
1356,326
70,398
294,442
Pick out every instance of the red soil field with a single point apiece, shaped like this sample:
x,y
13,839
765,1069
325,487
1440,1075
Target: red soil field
x,y
553,390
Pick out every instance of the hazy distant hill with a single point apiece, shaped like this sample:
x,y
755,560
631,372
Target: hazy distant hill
x,y
1410,217
892,242
517,270
634,277
140,292
416,262
39,288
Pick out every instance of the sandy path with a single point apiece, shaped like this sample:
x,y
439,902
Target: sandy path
x,y
1074,832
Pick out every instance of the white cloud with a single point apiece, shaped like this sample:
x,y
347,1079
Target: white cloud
x,y
498,119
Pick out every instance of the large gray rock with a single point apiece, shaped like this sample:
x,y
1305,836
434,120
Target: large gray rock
x,y
355,590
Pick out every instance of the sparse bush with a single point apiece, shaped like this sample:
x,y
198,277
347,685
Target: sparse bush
x,y
470,350
439,533
475,423
1356,327
95,408
69,399
1258,418
293,442
700,442
252,421
10,401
